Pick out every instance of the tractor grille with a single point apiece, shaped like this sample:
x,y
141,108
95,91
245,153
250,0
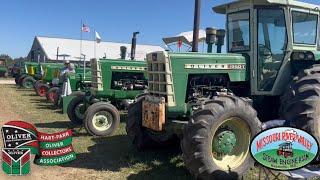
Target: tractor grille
x,y
96,77
160,82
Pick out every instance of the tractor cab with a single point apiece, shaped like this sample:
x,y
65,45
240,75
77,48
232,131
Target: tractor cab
x,y
273,35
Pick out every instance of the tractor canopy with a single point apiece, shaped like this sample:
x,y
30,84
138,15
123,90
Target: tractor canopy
x,y
280,37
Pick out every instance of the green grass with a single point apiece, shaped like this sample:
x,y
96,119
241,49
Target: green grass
x,y
108,157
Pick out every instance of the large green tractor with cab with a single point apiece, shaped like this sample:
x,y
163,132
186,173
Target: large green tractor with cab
x,y
115,84
215,103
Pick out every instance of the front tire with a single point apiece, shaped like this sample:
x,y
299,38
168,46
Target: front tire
x,y
216,141
27,82
300,105
101,119
52,94
76,110
42,89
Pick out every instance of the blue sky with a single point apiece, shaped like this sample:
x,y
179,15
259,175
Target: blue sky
x,y
115,20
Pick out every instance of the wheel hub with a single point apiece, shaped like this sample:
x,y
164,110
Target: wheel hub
x,y
224,142
102,121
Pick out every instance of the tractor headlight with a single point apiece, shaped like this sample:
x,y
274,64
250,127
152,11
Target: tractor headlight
x,y
310,56
302,56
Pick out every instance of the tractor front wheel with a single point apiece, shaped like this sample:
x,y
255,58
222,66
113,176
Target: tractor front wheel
x,y
216,141
42,89
300,105
101,119
27,82
52,94
76,110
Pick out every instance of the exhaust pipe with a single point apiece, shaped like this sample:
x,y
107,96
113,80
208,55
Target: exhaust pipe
x,y
196,25
134,45
211,38
221,33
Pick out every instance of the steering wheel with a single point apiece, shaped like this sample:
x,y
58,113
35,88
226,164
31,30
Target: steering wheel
x,y
265,51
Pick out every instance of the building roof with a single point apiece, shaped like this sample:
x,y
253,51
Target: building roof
x,y
70,49
221,9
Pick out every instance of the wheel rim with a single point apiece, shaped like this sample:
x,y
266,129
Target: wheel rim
x,y
102,120
79,111
28,84
42,91
52,96
230,143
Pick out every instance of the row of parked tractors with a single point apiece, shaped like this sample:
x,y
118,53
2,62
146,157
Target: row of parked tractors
x,y
213,103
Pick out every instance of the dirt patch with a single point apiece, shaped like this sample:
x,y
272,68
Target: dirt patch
x,y
7,81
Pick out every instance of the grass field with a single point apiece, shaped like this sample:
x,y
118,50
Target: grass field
x,y
97,158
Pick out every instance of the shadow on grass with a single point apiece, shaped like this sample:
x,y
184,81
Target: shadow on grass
x,y
56,124
116,152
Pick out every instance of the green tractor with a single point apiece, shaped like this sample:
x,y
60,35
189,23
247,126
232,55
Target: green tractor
x,y
79,82
3,68
115,83
214,102
50,74
30,72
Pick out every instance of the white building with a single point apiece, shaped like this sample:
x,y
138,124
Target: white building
x,y
49,48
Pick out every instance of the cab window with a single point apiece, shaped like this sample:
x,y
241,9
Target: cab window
x,y
301,34
239,31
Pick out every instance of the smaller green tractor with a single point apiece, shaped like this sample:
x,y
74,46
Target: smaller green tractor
x,y
114,85
78,82
3,68
30,72
50,72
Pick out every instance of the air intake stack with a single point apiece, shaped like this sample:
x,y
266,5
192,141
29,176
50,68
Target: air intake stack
x,y
211,38
123,52
221,33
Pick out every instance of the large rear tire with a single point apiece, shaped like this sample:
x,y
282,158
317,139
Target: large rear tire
x,y
27,82
216,141
76,110
300,105
101,119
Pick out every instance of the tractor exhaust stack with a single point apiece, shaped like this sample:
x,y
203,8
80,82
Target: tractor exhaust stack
x,y
134,45
196,25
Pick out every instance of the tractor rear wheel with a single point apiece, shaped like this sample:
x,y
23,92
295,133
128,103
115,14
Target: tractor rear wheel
x,y
27,82
52,94
42,89
216,140
300,105
76,110
101,119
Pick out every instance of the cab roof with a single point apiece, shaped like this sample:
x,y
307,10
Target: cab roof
x,y
222,9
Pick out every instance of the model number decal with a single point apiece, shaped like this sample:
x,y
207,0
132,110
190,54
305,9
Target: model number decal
x,y
215,66
134,68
